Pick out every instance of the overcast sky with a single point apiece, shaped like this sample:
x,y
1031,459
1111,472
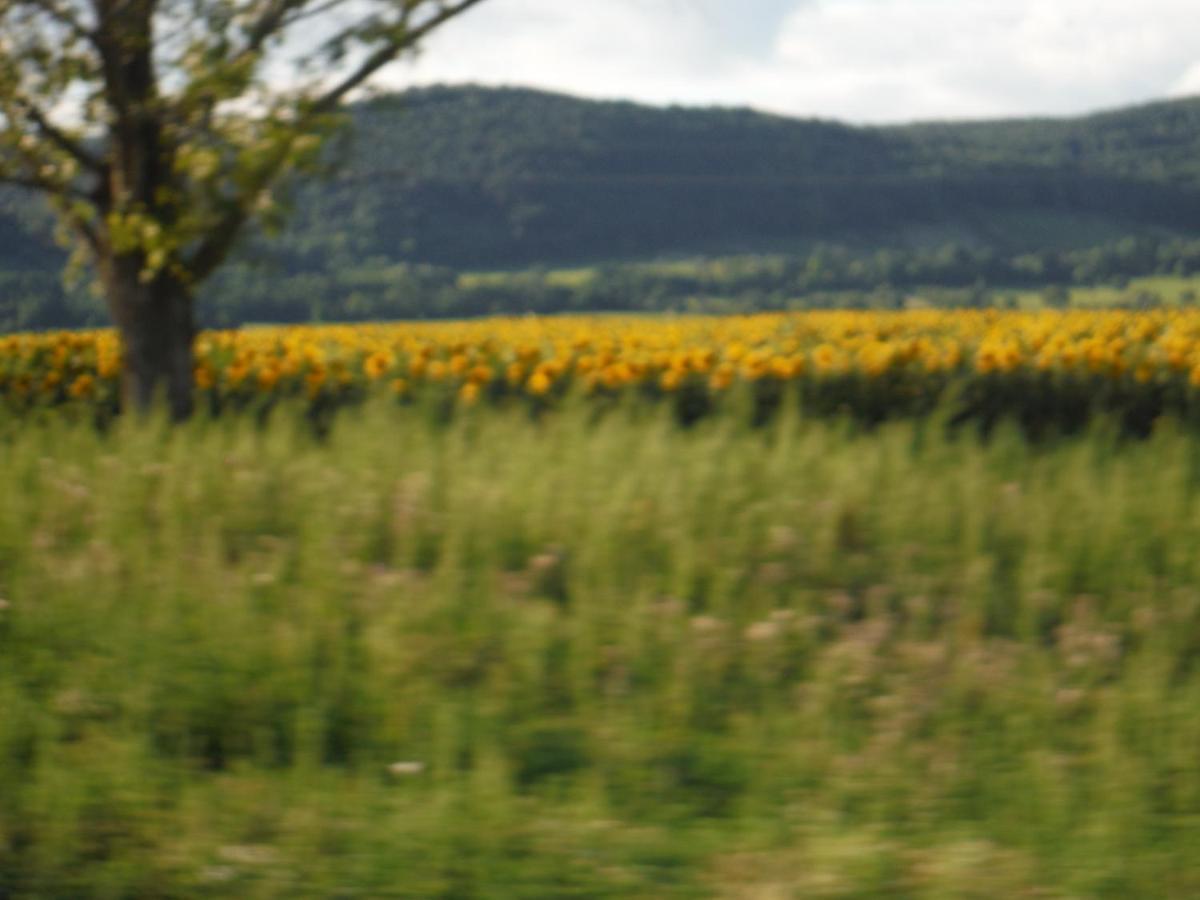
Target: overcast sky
x,y
859,60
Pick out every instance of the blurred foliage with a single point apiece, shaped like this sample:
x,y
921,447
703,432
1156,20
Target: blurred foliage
x,y
581,657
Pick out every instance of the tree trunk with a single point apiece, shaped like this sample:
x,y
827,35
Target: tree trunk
x,y
157,328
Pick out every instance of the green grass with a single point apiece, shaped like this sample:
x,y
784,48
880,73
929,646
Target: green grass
x,y
565,278
614,659
1164,289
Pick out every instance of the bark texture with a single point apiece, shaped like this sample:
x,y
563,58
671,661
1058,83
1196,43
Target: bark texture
x,y
157,327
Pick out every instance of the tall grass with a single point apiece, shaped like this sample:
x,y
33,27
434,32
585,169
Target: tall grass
x,y
570,658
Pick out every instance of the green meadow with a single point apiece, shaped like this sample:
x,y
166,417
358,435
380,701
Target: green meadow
x,y
577,657
1151,290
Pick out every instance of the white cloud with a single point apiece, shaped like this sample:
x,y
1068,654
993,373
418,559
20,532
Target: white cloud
x,y
864,60
1188,84
621,48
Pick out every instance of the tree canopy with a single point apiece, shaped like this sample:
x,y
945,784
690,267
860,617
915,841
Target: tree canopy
x,y
160,128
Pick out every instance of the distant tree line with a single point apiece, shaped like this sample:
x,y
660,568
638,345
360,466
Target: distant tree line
x,y
828,276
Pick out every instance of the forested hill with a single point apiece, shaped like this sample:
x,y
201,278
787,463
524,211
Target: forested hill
x,y
469,178
495,178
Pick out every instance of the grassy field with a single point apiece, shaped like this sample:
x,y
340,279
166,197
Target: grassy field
x,y
596,658
1155,290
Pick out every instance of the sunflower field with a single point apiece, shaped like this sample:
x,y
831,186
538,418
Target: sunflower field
x,y
1047,370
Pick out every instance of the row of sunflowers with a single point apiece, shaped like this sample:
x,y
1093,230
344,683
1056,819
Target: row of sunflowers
x,y
1046,368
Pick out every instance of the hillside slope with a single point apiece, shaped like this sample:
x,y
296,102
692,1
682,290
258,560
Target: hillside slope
x,y
483,178
497,178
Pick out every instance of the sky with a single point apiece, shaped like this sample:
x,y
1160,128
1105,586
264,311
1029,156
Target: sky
x,y
855,60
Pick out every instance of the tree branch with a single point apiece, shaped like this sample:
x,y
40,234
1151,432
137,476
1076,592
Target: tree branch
x,y
388,52
269,23
318,10
216,246
59,138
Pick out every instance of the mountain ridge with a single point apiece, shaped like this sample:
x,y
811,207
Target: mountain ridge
x,y
509,166
470,178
